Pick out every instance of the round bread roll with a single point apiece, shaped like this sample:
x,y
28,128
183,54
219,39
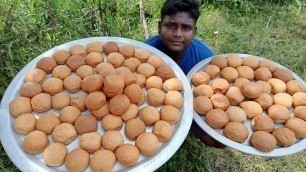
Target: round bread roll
x,y
111,94
60,100
60,56
236,114
263,141
25,123
95,100
202,105
233,60
212,70
267,64
251,90
47,122
216,118
265,86
105,69
298,126
277,85
203,90
295,86
174,98
123,71
35,75
165,72
220,101
240,82
54,154
170,114
149,115
234,96
102,112
278,113
156,97
75,61
72,83
94,47
163,130
284,136
77,160
119,104
30,89
127,50
92,83
35,142
84,70
220,85
236,131
90,142
133,128
53,86
131,63
116,59
78,100
127,154
112,139
200,78
64,133
251,108
135,94
86,124
40,103
283,74
146,69
283,99
147,143
129,79
140,80
251,62
46,64
156,61
94,58
219,61
114,83
299,112
299,99
69,114
245,72
263,123
21,105
154,82
264,100
110,47
142,54
230,74
131,113
111,122
263,74
103,160
61,72
78,49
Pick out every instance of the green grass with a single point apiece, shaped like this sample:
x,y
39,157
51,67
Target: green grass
x,y
271,29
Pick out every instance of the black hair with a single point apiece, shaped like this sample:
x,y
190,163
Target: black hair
x,y
171,7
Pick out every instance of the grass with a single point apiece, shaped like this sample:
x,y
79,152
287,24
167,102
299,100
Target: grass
x,y
270,29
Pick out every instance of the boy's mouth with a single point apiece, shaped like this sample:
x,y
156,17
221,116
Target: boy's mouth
x,y
177,43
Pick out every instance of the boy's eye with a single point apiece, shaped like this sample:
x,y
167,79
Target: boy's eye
x,y
187,28
170,26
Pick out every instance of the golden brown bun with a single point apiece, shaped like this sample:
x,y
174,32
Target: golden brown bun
x,y
94,58
219,101
86,124
156,97
112,139
277,85
129,79
21,105
236,114
47,122
95,100
111,122
251,62
174,98
40,103
61,72
140,80
163,131
127,50
234,96
298,126
35,142
173,84
92,83
102,112
60,100
72,83
116,59
105,69
123,71
230,74
156,61
170,114
203,90
60,56
165,72
46,64
69,114
234,60
149,115
78,100
54,154
114,83
278,113
30,89
300,112
75,61
90,142
94,47
263,74
240,82
251,90
283,99
299,99
251,108
147,143
119,104
265,86
131,63
64,133
220,85
219,61
103,160
127,154
146,69
202,105
295,86
245,72
77,160
36,75
268,64
200,78
154,82
216,118
78,49
53,86
25,123
142,54
236,131
263,141
283,74
284,136
264,100
263,123
133,128
110,47
84,70
131,113
212,70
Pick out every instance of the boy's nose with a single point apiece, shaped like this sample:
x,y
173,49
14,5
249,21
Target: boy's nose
x,y
178,32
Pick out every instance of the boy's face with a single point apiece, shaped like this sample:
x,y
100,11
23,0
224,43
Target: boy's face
x,y
177,31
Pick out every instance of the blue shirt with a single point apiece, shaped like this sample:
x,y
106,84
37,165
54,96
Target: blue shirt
x,y
196,52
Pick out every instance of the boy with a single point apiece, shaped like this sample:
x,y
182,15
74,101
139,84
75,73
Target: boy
x,y
176,39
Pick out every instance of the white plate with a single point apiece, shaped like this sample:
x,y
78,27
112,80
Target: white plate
x,y
246,147
12,141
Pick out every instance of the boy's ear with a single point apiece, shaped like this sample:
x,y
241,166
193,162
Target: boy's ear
x,y
159,27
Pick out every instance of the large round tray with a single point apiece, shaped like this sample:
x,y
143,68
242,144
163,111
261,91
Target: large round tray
x,y
246,146
12,141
